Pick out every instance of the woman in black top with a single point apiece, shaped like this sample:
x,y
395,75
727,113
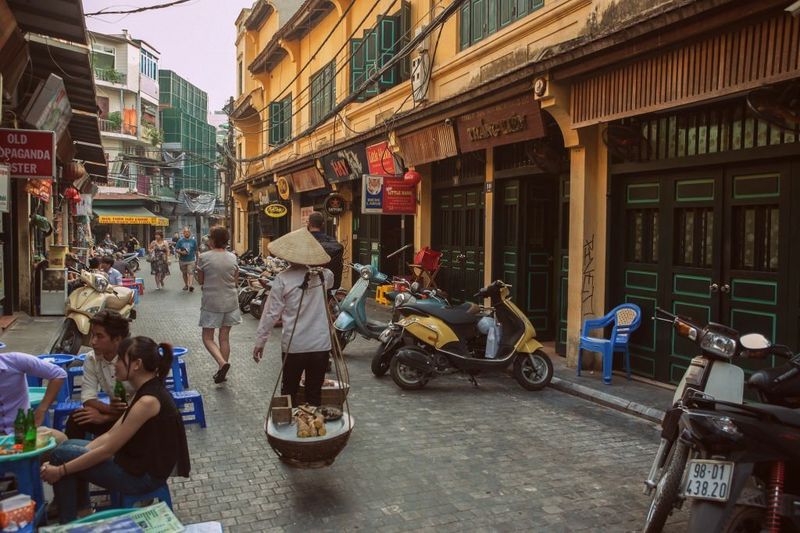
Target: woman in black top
x,y
139,453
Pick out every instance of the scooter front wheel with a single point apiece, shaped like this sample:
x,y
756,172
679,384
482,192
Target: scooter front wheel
x,y
533,371
69,339
381,360
406,377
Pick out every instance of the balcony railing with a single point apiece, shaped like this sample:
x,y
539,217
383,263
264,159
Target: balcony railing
x,y
114,127
110,75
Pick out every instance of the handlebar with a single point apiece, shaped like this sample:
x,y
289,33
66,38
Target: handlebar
x,y
406,247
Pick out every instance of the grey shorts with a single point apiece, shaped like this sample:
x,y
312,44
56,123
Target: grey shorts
x,y
212,319
188,267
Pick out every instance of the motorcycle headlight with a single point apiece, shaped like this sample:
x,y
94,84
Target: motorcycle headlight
x,y
100,283
718,344
93,310
366,272
717,432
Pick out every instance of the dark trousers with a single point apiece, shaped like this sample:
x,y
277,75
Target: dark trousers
x,y
314,364
74,430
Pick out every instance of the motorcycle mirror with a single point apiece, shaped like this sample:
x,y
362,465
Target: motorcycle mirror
x,y
754,342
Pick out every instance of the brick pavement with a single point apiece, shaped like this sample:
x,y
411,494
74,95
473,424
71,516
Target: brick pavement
x,y
448,458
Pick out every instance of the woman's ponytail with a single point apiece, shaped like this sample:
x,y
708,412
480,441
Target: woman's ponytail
x,y
165,361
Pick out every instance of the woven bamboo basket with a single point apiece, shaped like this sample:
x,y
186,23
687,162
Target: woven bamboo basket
x,y
334,395
313,452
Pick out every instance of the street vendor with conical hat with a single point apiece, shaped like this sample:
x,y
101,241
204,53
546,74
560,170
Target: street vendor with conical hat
x,y
296,297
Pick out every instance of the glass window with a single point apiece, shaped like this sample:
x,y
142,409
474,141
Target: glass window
x,y
148,65
478,18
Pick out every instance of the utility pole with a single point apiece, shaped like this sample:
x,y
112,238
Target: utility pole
x,y
230,169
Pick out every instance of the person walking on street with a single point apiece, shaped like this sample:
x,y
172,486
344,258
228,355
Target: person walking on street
x,y
159,259
186,249
109,329
218,275
332,247
306,339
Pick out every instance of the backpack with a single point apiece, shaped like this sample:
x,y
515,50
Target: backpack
x,y
334,249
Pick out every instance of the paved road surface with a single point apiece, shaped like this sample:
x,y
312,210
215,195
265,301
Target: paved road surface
x,y
451,457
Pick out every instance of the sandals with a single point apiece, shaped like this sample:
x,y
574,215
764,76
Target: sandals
x,y
219,377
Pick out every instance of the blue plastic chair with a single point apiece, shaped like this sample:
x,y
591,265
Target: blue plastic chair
x,y
128,501
184,398
626,319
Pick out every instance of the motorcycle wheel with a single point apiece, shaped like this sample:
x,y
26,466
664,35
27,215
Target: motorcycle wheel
x,y
244,301
745,519
344,338
534,371
134,266
69,340
256,309
406,377
381,360
667,488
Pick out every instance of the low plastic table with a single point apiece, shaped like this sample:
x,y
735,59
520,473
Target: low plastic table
x,y
60,359
25,467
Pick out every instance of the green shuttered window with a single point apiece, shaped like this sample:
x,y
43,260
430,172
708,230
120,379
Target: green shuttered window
x,y
481,18
280,121
323,92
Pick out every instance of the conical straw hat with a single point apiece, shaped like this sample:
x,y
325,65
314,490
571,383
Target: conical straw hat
x,y
299,247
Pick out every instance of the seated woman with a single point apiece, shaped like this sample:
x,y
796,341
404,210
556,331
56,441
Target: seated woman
x,y
137,455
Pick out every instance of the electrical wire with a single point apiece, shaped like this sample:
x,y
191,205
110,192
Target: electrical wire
x,y
137,10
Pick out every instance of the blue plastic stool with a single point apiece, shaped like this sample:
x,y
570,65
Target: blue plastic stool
x,y
130,500
190,397
72,373
62,411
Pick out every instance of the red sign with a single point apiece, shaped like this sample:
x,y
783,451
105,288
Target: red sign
x,y
399,198
29,153
381,160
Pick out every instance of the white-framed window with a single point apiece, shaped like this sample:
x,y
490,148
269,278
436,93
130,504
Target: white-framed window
x,y
148,65
104,57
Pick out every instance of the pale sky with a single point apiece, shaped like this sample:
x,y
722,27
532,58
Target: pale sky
x,y
196,39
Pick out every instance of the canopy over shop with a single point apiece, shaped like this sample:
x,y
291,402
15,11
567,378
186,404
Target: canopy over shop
x,y
128,215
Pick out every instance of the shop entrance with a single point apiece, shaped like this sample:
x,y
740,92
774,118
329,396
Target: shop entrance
x,y
713,245
376,236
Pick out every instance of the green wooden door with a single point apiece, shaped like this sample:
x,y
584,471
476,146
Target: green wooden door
x,y
458,231
563,266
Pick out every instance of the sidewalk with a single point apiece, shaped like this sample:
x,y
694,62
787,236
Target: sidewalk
x,y
636,397
33,335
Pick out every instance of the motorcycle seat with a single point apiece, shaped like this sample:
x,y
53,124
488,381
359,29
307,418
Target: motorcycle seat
x,y
466,313
120,298
784,415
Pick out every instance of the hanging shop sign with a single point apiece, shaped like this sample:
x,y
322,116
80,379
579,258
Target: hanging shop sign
x,y
430,144
335,205
5,178
382,161
282,184
347,164
276,210
308,179
387,196
39,188
84,207
512,121
29,153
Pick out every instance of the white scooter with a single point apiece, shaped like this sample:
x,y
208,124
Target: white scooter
x,y
83,303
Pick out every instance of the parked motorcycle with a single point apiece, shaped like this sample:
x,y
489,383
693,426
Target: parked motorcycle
x,y
469,339
83,303
249,287
744,466
352,318
132,260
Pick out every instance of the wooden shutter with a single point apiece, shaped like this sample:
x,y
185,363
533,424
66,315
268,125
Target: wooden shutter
x,y
404,67
286,119
464,30
274,123
371,60
388,36
478,20
357,66
491,16
506,12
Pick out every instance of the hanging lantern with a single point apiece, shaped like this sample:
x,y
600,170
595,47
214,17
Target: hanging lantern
x,y
72,194
73,171
412,177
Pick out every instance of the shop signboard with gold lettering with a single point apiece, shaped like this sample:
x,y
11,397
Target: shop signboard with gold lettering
x,y
512,121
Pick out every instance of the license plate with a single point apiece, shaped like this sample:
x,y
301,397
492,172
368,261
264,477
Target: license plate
x,y
708,480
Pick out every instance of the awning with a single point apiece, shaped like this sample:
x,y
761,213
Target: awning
x,y
127,215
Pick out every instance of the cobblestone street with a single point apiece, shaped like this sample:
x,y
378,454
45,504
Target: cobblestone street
x,y
450,457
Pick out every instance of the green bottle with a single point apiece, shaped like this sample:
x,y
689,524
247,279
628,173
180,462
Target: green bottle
x,y
119,391
30,433
20,424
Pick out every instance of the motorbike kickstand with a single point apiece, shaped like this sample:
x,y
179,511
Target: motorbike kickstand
x,y
473,381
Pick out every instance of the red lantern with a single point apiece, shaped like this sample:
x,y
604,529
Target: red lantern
x,y
72,194
412,177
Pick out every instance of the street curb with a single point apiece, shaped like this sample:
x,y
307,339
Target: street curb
x,y
651,414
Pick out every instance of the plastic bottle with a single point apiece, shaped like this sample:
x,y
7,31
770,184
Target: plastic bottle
x,y
19,426
119,391
492,342
30,432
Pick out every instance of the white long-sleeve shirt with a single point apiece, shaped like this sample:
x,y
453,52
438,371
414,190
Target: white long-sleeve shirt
x,y
312,333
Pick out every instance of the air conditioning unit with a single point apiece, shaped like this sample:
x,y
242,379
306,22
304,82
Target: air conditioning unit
x,y
420,77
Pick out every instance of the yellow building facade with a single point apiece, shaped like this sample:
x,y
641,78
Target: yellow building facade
x,y
511,113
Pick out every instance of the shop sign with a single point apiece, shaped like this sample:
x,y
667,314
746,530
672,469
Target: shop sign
x,y
347,164
5,177
516,120
282,184
382,161
39,188
335,205
387,196
276,210
305,212
29,153
84,207
308,179
430,144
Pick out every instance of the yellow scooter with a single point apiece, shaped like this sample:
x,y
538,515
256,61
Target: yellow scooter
x,y
83,303
467,338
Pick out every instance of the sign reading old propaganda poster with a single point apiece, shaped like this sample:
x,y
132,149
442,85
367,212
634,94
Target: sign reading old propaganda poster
x,y
372,194
5,175
335,204
347,164
399,198
382,161
308,179
282,184
29,153
512,121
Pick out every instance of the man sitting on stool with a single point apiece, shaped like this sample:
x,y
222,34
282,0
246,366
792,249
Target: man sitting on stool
x,y
109,328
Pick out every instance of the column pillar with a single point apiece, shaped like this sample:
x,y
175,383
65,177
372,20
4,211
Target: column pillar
x,y
488,233
422,226
345,228
297,220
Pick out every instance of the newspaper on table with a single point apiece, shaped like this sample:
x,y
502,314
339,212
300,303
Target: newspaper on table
x,y
156,518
